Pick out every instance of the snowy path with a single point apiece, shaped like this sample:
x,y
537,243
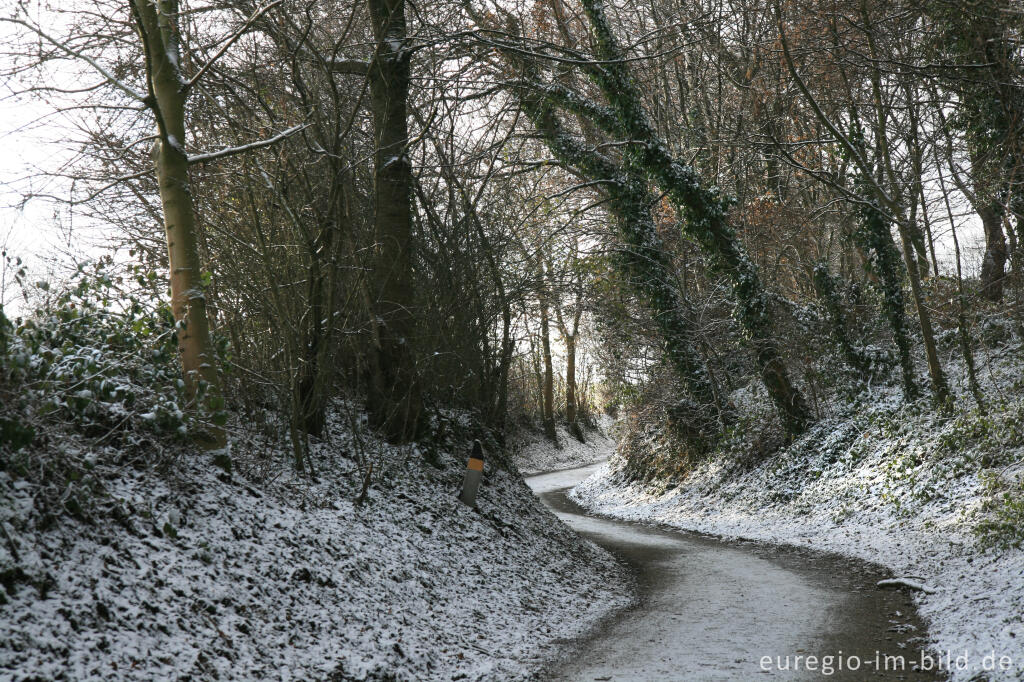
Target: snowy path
x,y
711,610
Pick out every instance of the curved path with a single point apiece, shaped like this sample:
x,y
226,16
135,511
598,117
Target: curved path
x,y
711,610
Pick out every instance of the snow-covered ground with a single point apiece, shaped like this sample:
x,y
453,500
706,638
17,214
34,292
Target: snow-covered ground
x,y
534,453
190,575
886,484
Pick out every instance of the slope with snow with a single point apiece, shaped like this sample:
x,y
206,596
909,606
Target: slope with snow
x,y
194,575
533,453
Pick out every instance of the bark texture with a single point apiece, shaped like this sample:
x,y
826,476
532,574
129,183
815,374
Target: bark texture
x,y
395,403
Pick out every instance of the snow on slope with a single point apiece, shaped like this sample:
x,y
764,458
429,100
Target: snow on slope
x,y
864,488
192,576
535,454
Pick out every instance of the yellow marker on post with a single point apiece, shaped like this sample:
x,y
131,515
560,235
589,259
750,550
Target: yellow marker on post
x,y
474,471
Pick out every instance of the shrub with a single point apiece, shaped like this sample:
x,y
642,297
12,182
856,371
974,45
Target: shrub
x,y
91,373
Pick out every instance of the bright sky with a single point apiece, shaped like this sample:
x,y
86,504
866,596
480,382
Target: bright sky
x,y
30,232
33,143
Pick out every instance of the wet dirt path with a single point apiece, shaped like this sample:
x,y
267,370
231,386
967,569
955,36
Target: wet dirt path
x,y
713,610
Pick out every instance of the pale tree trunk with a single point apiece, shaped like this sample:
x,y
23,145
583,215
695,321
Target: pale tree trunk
x,y
394,403
167,95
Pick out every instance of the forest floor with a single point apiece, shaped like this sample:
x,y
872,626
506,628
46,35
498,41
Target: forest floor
x,y
182,572
932,499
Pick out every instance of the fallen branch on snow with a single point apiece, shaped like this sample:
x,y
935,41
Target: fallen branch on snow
x,y
906,582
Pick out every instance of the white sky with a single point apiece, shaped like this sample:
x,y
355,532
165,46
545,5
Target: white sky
x,y
31,232
44,233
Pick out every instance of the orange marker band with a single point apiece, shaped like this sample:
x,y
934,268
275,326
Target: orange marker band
x,y
476,464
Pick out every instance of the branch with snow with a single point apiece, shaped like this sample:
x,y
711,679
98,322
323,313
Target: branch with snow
x,y
231,151
909,583
354,67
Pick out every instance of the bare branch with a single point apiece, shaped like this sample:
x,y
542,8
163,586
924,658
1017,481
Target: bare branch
x,y
230,41
127,89
352,67
231,151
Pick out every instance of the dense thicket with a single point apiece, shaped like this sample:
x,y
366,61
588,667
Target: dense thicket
x,y
524,209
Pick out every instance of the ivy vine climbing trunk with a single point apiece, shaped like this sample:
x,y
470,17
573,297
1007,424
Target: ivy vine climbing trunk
x,y
906,226
641,257
825,286
875,240
704,211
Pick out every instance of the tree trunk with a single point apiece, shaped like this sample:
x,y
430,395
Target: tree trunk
x,y
991,94
917,163
940,388
570,335
705,219
874,236
507,345
645,262
538,373
825,286
572,418
570,380
906,227
310,383
394,403
167,97
963,330
1015,252
642,258
504,366
993,266
548,395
